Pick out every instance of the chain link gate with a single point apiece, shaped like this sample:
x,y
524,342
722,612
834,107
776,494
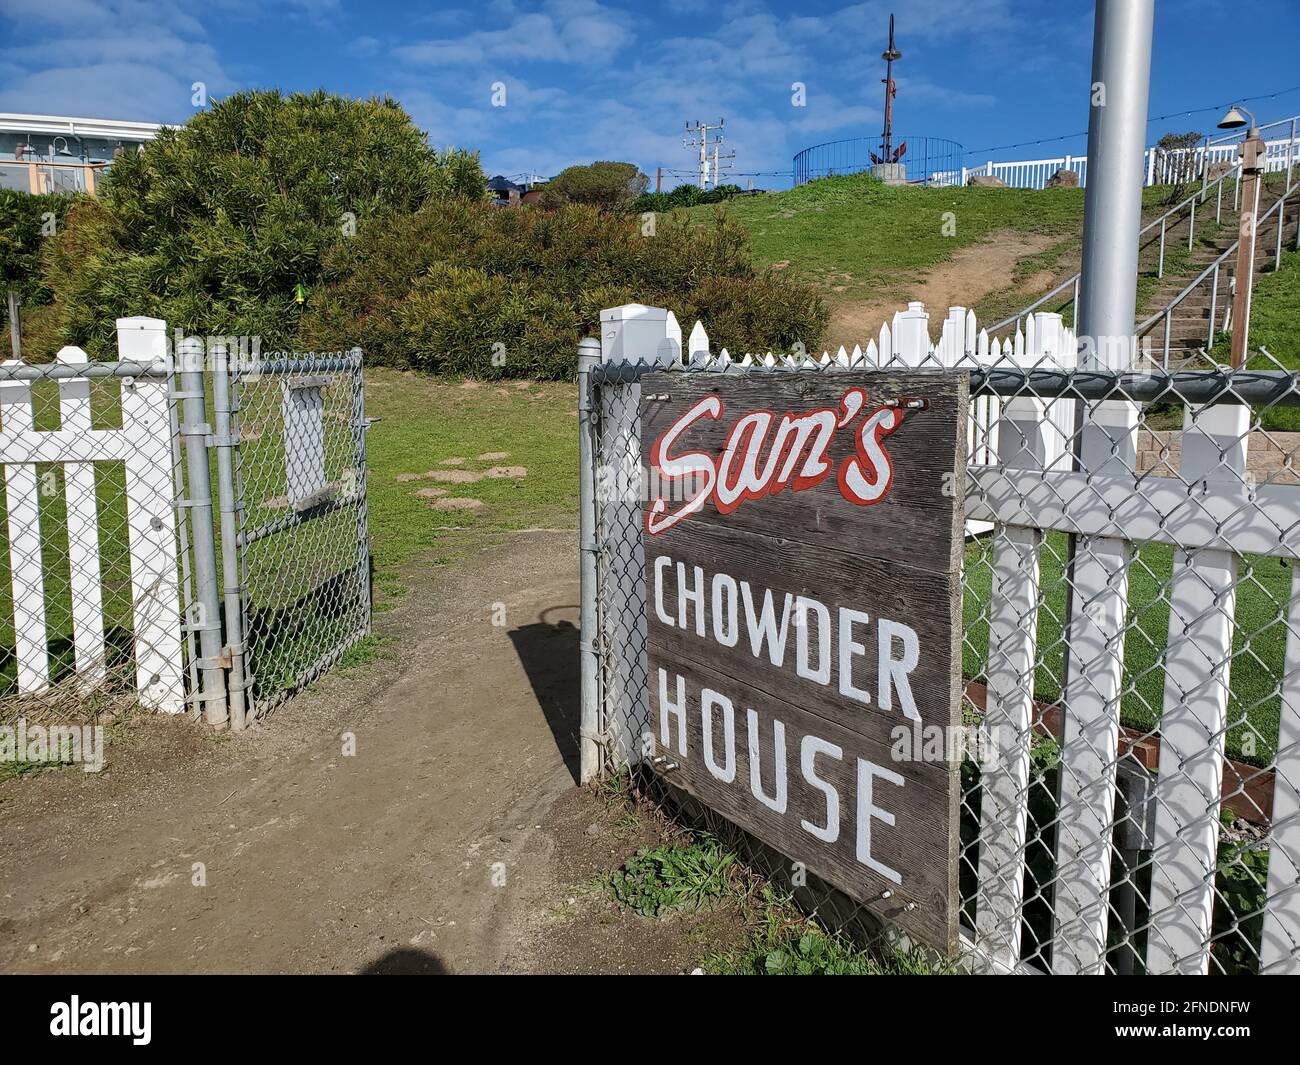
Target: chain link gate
x,y
298,453
1131,648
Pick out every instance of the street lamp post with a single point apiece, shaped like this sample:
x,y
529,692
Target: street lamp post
x,y
1252,165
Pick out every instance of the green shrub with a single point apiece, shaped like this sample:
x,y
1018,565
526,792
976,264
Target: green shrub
x,y
439,289
26,223
609,186
683,196
214,224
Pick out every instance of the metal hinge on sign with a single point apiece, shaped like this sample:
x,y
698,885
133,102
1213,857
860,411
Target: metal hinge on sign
x,y
657,397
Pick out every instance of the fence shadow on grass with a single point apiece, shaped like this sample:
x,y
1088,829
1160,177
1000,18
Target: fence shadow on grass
x,y
548,651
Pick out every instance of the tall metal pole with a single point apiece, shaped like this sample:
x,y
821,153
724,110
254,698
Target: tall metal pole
x,y
1097,581
1112,213
589,664
228,505
206,620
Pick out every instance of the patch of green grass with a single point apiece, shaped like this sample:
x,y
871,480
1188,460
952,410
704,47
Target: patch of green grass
x,y
424,420
785,942
815,952
856,235
673,878
1275,326
1259,638
699,873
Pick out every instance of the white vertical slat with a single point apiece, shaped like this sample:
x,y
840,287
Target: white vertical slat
x,y
1094,664
699,342
24,519
1012,652
1280,950
83,530
151,519
673,339
1202,600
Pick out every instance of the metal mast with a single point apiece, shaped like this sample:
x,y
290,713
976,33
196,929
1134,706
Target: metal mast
x,y
889,55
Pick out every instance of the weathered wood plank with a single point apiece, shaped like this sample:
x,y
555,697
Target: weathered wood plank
x,y
799,607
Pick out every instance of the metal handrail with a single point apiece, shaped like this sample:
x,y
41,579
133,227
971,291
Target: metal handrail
x,y
1166,312
1200,194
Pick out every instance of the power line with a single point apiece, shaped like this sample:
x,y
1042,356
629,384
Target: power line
x,y
1157,118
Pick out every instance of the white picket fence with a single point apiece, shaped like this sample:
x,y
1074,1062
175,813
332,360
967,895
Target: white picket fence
x,y
1043,342
1159,167
1022,485
144,445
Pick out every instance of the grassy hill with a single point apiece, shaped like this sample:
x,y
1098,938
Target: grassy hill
x,y
869,248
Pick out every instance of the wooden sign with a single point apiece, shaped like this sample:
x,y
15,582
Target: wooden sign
x,y
803,536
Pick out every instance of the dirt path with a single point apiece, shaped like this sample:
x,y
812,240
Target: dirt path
x,y
454,840
971,274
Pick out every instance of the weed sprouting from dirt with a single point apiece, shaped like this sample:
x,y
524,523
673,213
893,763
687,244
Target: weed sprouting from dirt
x,y
673,878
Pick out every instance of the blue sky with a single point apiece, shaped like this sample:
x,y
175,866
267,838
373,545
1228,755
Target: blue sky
x,y
615,79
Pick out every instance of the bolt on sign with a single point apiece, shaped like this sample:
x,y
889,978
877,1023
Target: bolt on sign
x,y
803,538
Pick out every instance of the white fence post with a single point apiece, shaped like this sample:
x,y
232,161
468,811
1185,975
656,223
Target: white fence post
x,y
912,335
629,333
31,644
151,518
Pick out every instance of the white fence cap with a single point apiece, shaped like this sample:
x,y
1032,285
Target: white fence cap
x,y
633,311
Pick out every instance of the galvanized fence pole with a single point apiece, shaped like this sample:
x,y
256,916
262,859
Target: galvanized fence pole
x,y
589,724
195,431
228,506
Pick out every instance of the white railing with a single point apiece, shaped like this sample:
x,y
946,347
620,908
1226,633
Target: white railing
x,y
1160,166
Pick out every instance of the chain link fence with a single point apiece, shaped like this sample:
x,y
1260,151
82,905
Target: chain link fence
x,y
300,473
96,596
181,531
1131,656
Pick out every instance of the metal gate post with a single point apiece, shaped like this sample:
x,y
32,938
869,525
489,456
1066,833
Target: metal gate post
x,y
195,431
229,507
589,721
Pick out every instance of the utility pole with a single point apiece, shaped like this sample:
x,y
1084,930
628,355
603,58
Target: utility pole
x,y
699,135
659,179
718,162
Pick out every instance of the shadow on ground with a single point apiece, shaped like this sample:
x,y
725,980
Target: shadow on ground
x,y
548,651
405,962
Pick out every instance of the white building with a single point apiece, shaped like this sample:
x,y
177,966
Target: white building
x,y
59,153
